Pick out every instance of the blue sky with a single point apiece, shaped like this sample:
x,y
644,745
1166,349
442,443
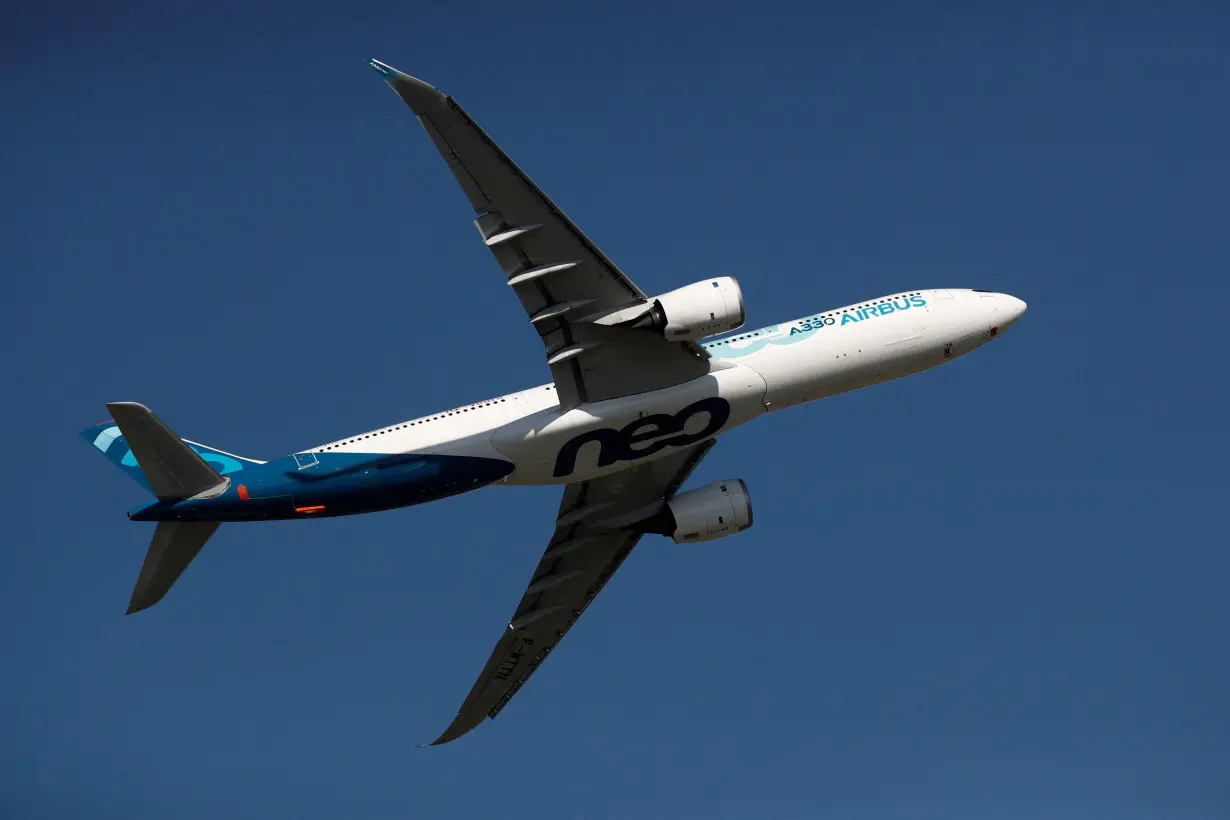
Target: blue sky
x,y
994,589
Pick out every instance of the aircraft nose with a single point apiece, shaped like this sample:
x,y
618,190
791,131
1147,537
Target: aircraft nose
x,y
1014,307
1005,310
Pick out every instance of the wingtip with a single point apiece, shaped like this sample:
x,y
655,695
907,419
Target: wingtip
x,y
461,725
420,96
391,74
141,600
136,601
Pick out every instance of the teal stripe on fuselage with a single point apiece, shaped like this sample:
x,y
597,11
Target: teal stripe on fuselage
x,y
754,341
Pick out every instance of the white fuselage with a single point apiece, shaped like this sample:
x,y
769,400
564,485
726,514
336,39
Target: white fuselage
x,y
750,373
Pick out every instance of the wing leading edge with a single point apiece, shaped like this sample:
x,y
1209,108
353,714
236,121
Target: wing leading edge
x,y
564,282
582,555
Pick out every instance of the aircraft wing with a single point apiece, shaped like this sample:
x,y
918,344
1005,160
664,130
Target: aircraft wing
x,y
563,281
581,557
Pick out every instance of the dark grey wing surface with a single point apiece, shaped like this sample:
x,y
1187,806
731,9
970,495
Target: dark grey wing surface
x,y
172,468
584,552
174,546
562,279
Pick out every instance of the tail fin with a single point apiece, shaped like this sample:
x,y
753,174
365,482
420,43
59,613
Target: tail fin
x,y
174,546
137,442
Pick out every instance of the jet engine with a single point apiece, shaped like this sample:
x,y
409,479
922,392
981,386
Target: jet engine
x,y
721,509
697,310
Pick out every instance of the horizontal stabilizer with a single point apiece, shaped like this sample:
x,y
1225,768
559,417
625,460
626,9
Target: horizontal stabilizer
x,y
174,546
173,469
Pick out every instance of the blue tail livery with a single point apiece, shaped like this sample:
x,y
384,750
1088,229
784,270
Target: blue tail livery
x,y
109,440
173,470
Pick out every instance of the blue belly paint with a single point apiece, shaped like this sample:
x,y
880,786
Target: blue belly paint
x,y
341,483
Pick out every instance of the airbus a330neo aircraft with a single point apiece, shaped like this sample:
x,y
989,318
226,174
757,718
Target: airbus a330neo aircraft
x,y
635,403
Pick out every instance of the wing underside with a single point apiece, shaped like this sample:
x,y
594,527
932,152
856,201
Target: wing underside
x,y
564,282
583,308
588,546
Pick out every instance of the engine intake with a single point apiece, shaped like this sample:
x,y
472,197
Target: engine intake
x,y
698,310
721,509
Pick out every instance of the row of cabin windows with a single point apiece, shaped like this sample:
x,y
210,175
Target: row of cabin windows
x,y
420,421
411,424
733,339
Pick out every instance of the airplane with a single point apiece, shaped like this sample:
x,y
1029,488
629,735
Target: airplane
x,y
640,391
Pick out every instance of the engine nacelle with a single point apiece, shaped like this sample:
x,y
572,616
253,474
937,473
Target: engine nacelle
x,y
721,509
699,310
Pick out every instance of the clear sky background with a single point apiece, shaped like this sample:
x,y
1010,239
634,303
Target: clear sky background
x,y
997,589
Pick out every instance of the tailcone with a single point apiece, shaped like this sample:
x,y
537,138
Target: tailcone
x,y
156,510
